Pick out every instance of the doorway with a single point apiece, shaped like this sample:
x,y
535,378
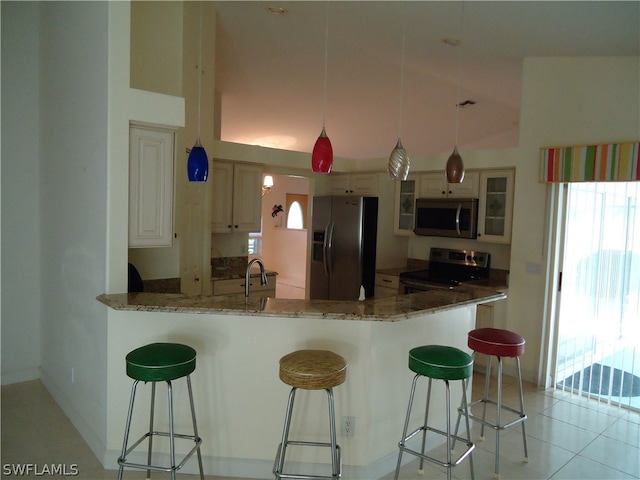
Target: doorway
x,y
283,239
597,335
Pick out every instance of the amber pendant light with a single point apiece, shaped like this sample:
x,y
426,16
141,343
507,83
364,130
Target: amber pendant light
x,y
455,165
399,163
322,155
198,162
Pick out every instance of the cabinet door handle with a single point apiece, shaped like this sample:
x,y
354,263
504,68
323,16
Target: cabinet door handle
x,y
236,226
386,280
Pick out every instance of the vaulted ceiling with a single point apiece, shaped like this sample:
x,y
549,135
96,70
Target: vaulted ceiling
x,y
270,68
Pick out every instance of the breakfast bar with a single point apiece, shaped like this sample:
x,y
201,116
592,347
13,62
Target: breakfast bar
x,y
239,341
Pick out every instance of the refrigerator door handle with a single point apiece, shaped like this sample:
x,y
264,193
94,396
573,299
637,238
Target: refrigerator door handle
x,y
458,218
328,244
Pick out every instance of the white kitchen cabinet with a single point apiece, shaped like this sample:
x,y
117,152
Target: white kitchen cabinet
x,y
495,209
405,204
365,184
435,185
236,197
151,186
386,285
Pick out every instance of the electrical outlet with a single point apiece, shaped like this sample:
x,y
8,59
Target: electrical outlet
x,y
348,426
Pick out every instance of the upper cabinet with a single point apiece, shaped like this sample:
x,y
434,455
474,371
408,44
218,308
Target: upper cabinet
x,y
151,186
365,184
405,204
435,185
236,197
495,209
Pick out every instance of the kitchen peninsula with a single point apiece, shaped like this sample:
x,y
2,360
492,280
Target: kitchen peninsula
x,y
239,398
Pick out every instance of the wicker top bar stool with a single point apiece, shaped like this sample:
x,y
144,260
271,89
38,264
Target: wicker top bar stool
x,y
311,370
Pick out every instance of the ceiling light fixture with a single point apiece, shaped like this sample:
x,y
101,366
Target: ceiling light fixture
x,y
455,165
322,155
399,163
278,10
198,162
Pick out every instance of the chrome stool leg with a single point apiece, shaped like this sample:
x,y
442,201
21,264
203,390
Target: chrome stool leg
x,y
285,435
153,405
195,426
127,429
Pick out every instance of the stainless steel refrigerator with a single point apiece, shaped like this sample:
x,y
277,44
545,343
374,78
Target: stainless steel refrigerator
x,y
343,258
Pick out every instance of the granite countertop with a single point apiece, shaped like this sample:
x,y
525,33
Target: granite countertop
x,y
389,309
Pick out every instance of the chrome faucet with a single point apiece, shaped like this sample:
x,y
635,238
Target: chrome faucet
x,y
247,275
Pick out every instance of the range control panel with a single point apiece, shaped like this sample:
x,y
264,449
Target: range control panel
x,y
469,258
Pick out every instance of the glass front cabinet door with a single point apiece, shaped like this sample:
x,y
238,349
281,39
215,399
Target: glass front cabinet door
x,y
405,204
495,208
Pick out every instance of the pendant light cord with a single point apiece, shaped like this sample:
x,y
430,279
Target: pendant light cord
x,y
200,72
404,26
459,73
326,55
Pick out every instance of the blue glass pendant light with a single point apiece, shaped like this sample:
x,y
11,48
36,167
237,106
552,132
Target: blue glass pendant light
x,y
198,162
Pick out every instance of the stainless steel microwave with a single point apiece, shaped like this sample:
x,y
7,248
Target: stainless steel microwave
x,y
447,217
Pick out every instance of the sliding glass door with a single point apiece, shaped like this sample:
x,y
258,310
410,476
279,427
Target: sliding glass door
x,y
598,333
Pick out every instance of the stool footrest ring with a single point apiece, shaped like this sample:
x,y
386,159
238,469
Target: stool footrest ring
x,y
465,454
522,416
303,476
123,460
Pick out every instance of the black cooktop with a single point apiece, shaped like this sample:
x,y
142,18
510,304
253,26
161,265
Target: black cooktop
x,y
450,267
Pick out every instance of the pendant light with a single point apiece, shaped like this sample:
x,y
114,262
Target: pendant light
x,y
399,163
322,155
455,165
198,162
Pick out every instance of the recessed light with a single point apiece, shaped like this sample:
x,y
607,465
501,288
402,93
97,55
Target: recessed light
x,y
452,42
277,10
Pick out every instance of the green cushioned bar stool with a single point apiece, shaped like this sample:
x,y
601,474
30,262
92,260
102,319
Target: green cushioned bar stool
x,y
160,362
439,363
311,370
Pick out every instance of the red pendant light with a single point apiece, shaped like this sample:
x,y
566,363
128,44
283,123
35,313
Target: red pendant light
x,y
322,155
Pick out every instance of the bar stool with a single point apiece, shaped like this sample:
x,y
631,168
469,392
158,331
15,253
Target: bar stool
x,y
499,343
160,362
311,370
441,363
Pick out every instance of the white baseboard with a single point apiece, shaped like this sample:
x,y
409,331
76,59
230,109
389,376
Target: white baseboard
x,y
19,376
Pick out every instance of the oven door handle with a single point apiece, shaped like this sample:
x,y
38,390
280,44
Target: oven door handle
x,y
458,210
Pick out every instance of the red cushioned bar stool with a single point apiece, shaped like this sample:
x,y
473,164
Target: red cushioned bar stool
x,y
498,343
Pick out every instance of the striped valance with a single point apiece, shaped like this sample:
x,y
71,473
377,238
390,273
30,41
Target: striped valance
x,y
615,162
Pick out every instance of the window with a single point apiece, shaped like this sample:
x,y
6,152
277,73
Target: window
x,y
253,244
297,211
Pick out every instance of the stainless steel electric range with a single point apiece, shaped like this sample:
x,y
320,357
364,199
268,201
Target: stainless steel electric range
x,y
447,269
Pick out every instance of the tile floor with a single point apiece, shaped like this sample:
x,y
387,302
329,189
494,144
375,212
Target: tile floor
x,y
568,438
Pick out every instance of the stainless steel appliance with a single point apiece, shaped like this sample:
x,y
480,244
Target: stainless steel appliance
x,y
447,217
343,256
447,269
